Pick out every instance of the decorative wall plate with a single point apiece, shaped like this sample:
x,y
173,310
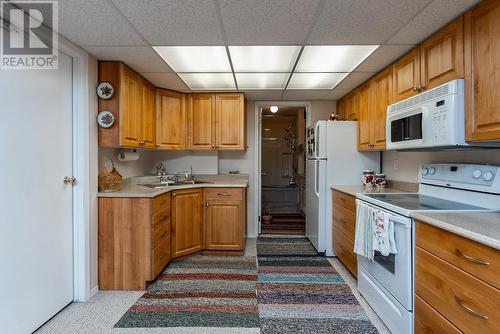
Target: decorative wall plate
x,y
105,90
105,119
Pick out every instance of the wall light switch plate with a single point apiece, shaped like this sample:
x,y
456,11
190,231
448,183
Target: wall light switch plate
x,y
396,164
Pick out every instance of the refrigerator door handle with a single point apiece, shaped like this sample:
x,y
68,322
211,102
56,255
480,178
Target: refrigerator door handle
x,y
316,178
316,141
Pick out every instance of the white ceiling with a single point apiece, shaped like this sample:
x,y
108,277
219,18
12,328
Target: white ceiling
x,y
125,30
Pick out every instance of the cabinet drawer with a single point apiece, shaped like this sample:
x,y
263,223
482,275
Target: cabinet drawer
x,y
224,194
467,302
429,321
344,220
347,201
161,202
161,233
160,218
475,258
161,256
344,250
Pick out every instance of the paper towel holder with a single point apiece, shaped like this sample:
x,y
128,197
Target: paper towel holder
x,y
122,152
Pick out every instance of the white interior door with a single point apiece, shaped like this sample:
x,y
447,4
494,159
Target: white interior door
x,y
36,207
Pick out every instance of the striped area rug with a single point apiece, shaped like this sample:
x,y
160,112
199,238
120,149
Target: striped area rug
x,y
300,292
199,291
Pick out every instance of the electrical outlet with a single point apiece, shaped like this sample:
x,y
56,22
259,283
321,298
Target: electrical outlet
x,y
396,164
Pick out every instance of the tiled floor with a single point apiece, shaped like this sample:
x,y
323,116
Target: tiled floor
x,y
99,314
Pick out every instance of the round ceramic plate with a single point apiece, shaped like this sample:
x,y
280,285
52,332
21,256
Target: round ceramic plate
x,y
105,119
105,90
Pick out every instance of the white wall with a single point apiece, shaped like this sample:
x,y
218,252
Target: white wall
x,y
321,110
409,162
144,165
203,162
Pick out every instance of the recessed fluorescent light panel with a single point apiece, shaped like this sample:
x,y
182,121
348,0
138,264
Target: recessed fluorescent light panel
x,y
261,80
195,58
263,58
333,58
315,80
209,81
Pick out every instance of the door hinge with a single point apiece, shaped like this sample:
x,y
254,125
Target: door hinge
x,y
259,218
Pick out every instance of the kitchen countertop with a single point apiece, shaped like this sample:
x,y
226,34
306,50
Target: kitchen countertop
x,y
131,187
353,190
483,227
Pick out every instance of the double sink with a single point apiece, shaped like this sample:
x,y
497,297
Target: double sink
x,y
159,185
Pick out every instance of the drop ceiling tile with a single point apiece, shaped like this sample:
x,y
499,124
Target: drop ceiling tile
x,y
174,22
337,93
166,80
261,22
354,79
431,19
382,57
307,94
140,58
363,21
263,95
96,23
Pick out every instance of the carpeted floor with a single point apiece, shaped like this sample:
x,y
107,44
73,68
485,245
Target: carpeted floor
x,y
199,291
285,224
300,292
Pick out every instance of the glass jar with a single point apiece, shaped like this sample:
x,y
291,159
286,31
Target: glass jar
x,y
368,178
380,180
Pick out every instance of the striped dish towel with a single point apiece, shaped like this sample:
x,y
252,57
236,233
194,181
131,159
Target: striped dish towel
x,y
363,240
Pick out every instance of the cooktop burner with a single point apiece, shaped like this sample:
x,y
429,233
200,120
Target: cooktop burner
x,y
412,201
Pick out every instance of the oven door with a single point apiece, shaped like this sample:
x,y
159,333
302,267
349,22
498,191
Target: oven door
x,y
394,272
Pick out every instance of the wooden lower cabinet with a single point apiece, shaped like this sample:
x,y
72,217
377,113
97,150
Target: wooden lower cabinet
x,y
344,225
448,296
134,241
225,219
187,222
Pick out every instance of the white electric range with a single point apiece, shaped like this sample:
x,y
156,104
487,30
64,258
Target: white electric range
x,y
387,282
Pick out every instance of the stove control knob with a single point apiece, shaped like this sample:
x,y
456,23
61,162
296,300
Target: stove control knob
x,y
425,171
488,176
432,170
477,174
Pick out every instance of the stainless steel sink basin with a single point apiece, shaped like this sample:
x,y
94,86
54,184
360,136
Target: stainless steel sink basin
x,y
159,185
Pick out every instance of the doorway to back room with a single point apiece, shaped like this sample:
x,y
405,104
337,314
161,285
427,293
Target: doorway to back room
x,y
283,170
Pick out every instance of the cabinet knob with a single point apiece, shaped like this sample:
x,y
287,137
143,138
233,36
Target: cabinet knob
x,y
213,147
174,194
418,88
217,146
206,204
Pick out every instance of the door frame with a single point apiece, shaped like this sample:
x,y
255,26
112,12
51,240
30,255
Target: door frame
x,y
258,141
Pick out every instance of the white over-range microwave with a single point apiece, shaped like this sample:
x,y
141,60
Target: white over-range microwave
x,y
433,119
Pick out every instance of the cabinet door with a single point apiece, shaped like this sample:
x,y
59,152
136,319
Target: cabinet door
x,y
442,55
170,120
352,106
187,222
225,225
130,108
407,75
201,120
230,122
148,115
482,63
364,117
382,97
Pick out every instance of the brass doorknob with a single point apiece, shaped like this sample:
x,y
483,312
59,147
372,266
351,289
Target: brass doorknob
x,y
70,180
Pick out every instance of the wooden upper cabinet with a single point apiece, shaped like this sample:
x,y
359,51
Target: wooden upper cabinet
x,y
148,115
407,75
364,116
133,105
230,121
383,96
351,106
170,120
187,222
201,120
442,55
341,109
482,67
130,108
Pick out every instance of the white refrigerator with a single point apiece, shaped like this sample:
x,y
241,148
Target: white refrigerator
x,y
332,159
